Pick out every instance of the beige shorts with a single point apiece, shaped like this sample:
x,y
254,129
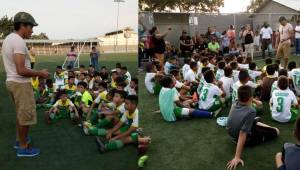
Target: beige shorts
x,y
23,98
284,50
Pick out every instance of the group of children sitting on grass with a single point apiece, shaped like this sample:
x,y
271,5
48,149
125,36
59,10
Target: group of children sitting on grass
x,y
206,84
104,104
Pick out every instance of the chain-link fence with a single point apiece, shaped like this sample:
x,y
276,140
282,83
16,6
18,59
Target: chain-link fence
x,y
192,22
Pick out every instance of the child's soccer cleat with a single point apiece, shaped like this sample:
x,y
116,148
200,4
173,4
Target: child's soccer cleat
x,y
27,152
17,144
100,145
142,161
85,126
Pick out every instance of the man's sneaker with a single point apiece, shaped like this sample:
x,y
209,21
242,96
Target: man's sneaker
x,y
27,152
17,144
100,145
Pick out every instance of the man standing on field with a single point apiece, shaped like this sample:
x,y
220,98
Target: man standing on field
x,y
18,73
284,40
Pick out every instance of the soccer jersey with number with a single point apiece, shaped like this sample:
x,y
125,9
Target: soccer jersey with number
x,y
282,101
236,86
207,95
295,75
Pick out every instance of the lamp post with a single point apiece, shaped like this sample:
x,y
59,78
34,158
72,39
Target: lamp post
x,y
116,37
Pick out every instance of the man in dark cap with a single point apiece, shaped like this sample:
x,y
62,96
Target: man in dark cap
x,y
18,80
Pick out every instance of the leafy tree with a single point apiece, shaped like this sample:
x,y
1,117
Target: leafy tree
x,y
255,4
40,36
6,26
181,5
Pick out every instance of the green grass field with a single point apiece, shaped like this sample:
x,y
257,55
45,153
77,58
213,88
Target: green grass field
x,y
63,146
201,143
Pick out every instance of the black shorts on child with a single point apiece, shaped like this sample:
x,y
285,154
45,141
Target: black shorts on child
x,y
260,134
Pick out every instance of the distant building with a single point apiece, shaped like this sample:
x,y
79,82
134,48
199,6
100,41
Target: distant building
x,y
126,40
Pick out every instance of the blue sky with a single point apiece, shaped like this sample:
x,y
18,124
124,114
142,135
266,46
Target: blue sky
x,y
63,19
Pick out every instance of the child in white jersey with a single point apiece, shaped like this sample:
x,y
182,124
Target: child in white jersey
x,y
282,101
210,97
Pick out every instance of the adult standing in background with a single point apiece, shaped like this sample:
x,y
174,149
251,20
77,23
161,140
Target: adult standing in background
x,y
248,36
297,38
142,29
159,44
242,38
94,58
266,35
284,40
32,56
231,32
186,45
72,55
16,61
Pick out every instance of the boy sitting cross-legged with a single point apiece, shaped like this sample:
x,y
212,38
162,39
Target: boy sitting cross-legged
x,y
289,158
282,100
62,108
124,132
211,93
170,105
244,127
85,100
109,114
70,87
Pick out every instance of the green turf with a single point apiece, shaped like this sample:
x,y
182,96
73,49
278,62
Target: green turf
x,y
201,143
63,146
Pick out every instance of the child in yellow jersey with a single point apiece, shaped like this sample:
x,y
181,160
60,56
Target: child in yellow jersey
x,y
124,132
62,108
102,88
114,76
70,87
59,77
85,100
109,114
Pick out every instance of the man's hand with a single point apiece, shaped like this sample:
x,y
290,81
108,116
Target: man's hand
x,y
234,163
43,73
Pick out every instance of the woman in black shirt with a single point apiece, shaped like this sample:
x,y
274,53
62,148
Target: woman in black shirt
x,y
159,44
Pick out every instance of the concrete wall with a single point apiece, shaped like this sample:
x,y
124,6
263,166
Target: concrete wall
x,y
178,22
